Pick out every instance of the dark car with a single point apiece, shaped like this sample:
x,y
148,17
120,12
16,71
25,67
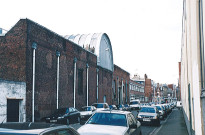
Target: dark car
x,y
29,128
64,116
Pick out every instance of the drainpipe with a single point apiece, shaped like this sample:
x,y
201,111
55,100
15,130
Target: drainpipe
x,y
122,93
126,91
118,100
87,66
57,89
75,61
97,83
34,46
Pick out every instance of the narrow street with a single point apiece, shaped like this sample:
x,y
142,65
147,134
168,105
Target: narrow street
x,y
173,121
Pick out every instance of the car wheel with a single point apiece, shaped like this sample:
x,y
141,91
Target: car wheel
x,y
158,123
67,122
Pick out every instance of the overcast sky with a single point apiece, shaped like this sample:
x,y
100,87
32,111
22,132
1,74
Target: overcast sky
x,y
145,34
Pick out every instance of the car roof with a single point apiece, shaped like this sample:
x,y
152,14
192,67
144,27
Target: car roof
x,y
114,111
148,107
28,127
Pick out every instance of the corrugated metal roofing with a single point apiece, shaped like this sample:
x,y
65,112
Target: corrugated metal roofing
x,y
97,43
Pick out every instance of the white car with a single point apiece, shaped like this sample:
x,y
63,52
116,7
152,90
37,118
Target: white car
x,y
101,106
135,105
37,128
112,122
179,104
86,112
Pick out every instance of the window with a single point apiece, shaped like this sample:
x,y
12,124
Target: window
x,y
114,90
80,81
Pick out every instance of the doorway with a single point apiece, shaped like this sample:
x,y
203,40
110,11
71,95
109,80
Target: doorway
x,y
12,110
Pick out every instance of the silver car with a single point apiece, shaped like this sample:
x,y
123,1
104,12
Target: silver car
x,y
29,128
149,114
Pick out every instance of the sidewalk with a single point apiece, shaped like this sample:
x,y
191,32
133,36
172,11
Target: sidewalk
x,y
174,125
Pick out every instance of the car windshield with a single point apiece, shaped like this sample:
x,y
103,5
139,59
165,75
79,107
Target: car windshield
x,y
148,109
98,105
86,109
134,102
159,108
108,119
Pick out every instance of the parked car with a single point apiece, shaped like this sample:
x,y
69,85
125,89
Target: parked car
x,y
113,107
101,106
179,104
29,128
161,111
135,105
111,122
121,107
86,112
64,116
127,107
149,115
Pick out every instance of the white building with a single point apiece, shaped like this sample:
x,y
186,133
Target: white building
x,y
192,66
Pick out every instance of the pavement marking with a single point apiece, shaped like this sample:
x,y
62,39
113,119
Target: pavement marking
x,y
156,130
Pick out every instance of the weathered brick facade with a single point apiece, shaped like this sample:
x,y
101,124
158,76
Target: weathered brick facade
x,y
16,61
120,77
148,89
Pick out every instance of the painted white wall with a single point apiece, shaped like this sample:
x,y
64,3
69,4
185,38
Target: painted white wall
x,y
12,90
190,65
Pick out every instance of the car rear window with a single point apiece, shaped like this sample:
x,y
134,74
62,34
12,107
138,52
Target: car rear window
x,y
113,119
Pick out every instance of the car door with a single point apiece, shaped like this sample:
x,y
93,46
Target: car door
x,y
76,114
71,115
131,123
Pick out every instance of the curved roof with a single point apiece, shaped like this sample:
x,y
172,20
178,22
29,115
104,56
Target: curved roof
x,y
97,43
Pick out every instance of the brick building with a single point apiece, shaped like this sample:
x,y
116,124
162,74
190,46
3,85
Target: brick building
x,y
120,86
66,74
148,86
137,91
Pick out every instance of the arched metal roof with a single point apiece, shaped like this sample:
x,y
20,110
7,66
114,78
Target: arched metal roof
x,y
97,43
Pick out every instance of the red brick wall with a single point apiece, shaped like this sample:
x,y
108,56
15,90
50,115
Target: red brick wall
x,y
46,60
105,85
148,89
16,64
120,75
13,53
136,92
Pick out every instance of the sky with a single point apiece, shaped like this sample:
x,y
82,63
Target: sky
x,y
145,34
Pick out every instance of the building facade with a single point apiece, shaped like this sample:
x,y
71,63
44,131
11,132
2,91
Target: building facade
x,y
56,72
137,91
120,89
192,66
